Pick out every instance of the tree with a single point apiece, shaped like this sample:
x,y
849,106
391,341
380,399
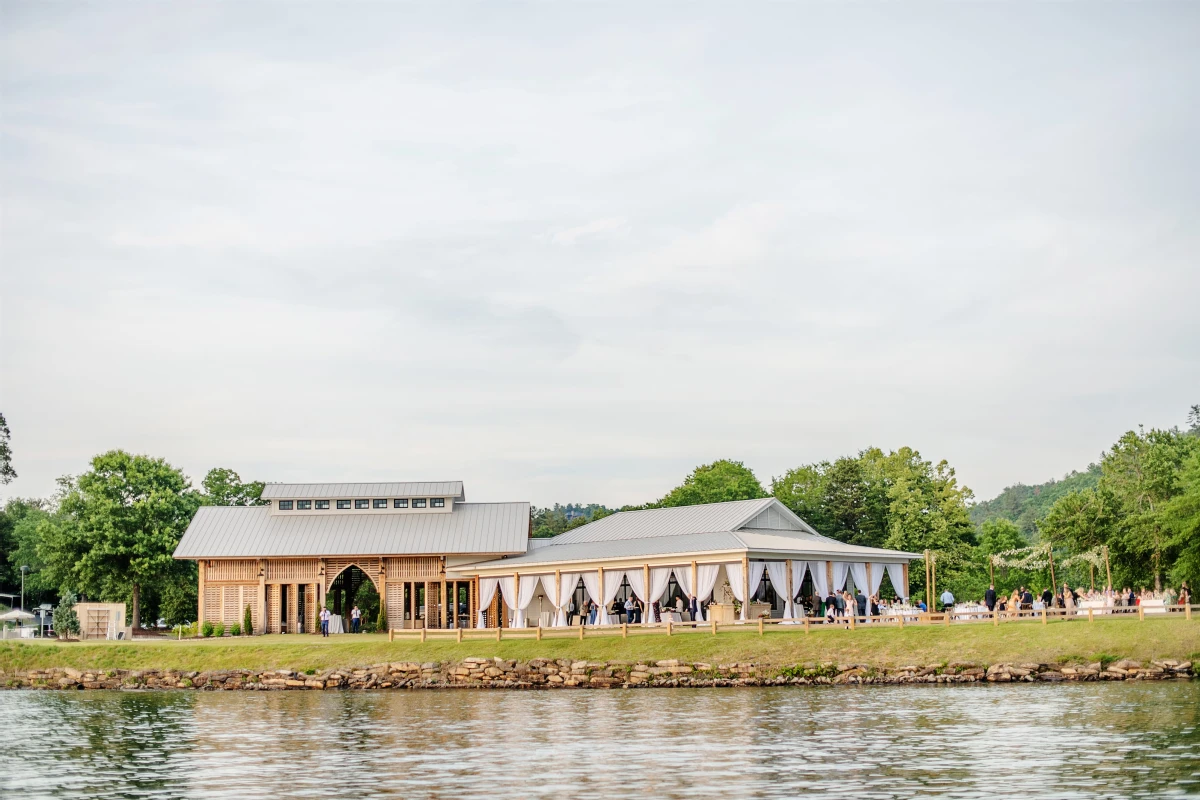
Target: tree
x,y
717,482
66,621
1143,470
803,491
1181,520
124,519
224,487
7,473
1082,520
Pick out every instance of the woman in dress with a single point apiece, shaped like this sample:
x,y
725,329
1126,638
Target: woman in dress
x,y
1068,600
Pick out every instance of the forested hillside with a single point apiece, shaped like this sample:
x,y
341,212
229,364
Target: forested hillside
x,y
1025,505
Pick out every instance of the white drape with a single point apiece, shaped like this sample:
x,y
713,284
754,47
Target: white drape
x,y
840,568
487,590
896,576
798,570
612,585
566,588
820,577
525,593
706,581
591,582
778,573
508,593
876,582
683,575
637,582
733,572
659,578
756,575
859,573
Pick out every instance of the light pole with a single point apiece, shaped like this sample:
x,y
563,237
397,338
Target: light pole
x,y
24,569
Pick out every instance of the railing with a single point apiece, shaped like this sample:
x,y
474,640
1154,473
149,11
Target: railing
x,y
804,624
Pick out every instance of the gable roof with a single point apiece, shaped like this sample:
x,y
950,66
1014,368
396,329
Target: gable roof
x,y
254,532
285,491
676,521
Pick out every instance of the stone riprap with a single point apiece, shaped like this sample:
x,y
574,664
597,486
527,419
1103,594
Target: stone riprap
x,y
495,673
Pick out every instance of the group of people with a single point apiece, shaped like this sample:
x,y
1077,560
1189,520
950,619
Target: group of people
x,y
355,620
1023,599
633,611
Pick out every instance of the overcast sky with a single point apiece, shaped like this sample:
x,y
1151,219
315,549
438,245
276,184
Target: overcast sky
x,y
567,253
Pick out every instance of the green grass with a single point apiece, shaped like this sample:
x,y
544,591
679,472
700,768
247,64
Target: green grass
x,y
1017,642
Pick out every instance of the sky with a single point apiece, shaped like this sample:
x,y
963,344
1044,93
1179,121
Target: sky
x,y
566,253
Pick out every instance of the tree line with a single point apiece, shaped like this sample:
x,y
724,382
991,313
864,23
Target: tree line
x,y
109,533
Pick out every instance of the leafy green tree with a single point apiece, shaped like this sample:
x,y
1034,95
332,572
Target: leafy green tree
x,y
23,519
1143,471
717,482
178,601
1082,520
7,473
66,621
1181,521
125,518
803,491
1026,505
224,487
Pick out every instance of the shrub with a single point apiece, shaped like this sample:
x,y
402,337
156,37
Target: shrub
x,y
235,629
247,622
381,620
219,629
66,621
206,629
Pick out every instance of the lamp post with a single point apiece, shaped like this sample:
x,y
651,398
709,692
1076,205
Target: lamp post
x,y
24,569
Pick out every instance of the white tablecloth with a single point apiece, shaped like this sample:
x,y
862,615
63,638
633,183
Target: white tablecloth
x,y
335,624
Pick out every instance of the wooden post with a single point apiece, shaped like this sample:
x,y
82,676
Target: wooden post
x,y
383,587
1141,613
391,634
200,602
426,630
695,590
624,630
806,625
262,593
868,590
581,631
1187,609
746,586
668,626
517,595
905,579
946,615
600,610
787,565
557,593
646,578
538,636
458,634
933,575
853,618
995,618
928,583
1044,615
713,620
829,576
760,626
499,633
900,621
1107,567
412,604
1090,617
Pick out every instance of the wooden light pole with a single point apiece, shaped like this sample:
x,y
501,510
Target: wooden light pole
x,y
1107,567
928,582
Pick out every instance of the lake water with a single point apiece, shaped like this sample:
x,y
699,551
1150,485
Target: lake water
x,y
1132,740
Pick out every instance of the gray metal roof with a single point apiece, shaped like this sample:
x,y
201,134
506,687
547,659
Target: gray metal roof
x,y
755,542
668,521
285,491
253,532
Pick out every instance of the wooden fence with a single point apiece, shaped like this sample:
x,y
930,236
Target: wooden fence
x,y
803,625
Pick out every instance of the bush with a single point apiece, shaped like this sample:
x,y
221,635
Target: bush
x,y
247,622
206,629
381,620
187,631
219,629
235,629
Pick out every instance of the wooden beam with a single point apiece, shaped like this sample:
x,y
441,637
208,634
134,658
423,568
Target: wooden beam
x,y
788,582
746,586
600,601
262,595
646,582
695,589
557,592
517,595
200,603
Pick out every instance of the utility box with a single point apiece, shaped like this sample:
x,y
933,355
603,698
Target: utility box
x,y
102,621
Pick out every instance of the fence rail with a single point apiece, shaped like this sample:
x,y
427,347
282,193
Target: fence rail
x,y
802,625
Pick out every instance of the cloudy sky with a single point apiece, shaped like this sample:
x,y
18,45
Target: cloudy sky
x,y
566,253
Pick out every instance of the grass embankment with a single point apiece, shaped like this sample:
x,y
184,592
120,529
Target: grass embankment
x,y
1016,642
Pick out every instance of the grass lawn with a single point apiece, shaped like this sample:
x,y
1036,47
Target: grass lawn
x,y
1016,642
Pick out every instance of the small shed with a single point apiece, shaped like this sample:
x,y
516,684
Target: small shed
x,y
102,621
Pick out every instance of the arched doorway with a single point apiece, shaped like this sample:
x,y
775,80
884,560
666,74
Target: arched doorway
x,y
353,587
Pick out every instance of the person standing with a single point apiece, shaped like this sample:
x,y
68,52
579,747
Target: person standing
x,y
860,600
324,621
989,598
947,601
355,619
630,613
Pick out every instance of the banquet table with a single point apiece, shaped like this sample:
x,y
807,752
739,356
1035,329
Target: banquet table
x,y
1154,606
973,610
1098,606
335,624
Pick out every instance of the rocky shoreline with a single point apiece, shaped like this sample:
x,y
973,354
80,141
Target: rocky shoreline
x,y
496,673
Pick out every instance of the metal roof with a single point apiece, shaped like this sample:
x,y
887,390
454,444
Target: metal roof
x,y
619,549
676,521
285,491
254,532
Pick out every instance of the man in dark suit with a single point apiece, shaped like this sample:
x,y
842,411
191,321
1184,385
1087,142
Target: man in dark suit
x,y
1027,600
1047,598
860,600
694,609
989,598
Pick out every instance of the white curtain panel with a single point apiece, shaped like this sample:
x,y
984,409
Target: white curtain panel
x,y
612,585
778,572
896,576
798,570
487,590
565,589
756,574
659,578
591,582
508,593
706,581
683,575
734,573
859,573
876,580
820,577
840,570
525,593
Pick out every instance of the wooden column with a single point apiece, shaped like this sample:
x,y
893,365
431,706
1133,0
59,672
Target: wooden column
x,y
200,602
442,602
829,575
788,581
746,586
517,596
695,587
905,598
262,595
600,600
412,604
383,587
646,579
868,587
557,593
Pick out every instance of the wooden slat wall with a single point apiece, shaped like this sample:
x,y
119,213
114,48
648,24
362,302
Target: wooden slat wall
x,y
213,607
395,605
334,566
297,570
236,570
410,567
273,608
